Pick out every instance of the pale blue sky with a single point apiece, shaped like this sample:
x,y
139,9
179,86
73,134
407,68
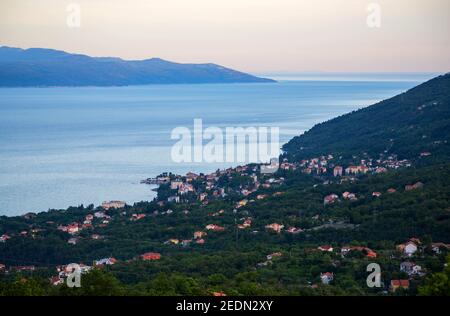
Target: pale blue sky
x,y
250,35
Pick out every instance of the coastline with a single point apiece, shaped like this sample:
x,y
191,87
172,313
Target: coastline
x,y
111,177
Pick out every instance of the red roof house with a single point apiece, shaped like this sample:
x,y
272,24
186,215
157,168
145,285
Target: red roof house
x,y
151,256
397,284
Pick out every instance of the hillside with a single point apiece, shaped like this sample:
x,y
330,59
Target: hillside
x,y
303,230
47,67
408,124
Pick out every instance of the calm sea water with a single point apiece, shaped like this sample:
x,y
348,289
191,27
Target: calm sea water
x,y
69,146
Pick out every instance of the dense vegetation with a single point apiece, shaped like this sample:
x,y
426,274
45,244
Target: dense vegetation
x,y
410,123
235,260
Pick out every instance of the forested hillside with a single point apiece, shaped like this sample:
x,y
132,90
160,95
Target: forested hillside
x,y
369,187
408,124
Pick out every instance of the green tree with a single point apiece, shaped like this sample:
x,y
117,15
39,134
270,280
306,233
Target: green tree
x,y
96,283
437,284
23,287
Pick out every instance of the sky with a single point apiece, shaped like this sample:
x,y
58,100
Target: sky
x,y
258,36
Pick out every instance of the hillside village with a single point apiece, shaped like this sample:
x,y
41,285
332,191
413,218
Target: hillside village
x,y
240,188
344,195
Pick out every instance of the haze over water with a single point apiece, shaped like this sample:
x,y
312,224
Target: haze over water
x,y
69,146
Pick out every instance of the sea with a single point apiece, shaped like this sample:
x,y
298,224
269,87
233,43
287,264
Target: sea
x,y
62,147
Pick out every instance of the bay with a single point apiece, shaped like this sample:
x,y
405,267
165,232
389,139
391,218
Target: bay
x,y
63,147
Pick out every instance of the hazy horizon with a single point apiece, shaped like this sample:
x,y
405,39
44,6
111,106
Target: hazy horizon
x,y
256,36
312,75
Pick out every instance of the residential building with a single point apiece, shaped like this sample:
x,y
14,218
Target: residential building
x,y
215,227
326,248
275,227
397,284
151,256
174,185
105,262
329,199
409,248
327,277
199,234
337,171
418,185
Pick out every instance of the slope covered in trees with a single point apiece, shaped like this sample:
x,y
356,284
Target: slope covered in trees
x,y
408,124
386,211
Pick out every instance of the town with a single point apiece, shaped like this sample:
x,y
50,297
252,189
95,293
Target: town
x,y
238,190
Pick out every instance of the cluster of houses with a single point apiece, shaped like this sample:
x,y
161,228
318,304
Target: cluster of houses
x,y
399,284
410,247
29,268
206,188
407,250
332,198
4,237
414,245
411,268
278,228
325,165
247,223
102,220
66,270
318,165
75,228
198,237
72,228
367,251
244,223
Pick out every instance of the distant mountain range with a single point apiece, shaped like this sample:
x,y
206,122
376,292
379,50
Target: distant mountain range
x,y
36,67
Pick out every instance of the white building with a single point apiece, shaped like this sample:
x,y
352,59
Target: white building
x,y
410,248
327,277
